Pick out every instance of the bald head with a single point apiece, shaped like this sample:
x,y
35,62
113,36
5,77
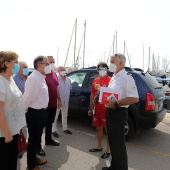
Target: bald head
x,y
62,71
61,68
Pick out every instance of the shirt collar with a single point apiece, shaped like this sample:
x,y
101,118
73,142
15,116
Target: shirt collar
x,y
121,72
39,74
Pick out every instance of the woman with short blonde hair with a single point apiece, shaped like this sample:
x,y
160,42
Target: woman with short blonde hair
x,y
12,117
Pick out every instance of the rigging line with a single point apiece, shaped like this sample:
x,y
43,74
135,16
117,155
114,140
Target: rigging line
x,y
69,44
128,55
79,49
112,46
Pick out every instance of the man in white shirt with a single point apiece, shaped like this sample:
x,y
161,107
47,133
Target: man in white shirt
x,y
36,100
64,89
116,114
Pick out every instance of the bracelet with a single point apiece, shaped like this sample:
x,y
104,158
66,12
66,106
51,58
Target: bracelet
x,y
116,105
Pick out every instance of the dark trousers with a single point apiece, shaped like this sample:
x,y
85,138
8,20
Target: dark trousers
x,y
116,120
8,154
35,122
50,116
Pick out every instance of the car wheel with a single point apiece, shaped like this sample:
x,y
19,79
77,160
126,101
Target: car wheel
x,y
129,128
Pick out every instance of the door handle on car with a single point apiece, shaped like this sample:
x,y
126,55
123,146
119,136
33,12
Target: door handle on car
x,y
75,94
83,98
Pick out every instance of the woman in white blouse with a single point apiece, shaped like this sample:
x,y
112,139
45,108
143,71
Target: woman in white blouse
x,y
12,117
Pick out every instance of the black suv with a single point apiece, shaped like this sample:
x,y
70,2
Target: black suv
x,y
147,113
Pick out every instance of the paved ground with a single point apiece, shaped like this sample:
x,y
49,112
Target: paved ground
x,y
148,150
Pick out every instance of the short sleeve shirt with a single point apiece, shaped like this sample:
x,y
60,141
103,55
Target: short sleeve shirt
x,y
13,107
124,83
19,82
104,82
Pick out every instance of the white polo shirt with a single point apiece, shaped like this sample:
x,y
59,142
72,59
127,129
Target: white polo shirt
x,y
125,84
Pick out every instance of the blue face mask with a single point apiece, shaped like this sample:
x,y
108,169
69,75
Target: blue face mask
x,y
25,71
16,69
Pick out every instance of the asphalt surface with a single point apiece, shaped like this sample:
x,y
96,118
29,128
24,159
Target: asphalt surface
x,y
147,150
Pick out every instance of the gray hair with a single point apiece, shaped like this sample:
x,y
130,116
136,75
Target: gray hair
x,y
37,60
121,57
22,62
50,56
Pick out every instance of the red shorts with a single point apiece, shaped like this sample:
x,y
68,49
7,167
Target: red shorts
x,y
99,119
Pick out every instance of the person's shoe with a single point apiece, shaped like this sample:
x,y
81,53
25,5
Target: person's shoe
x,y
68,132
35,168
41,152
40,161
105,155
52,142
95,149
19,155
106,168
55,134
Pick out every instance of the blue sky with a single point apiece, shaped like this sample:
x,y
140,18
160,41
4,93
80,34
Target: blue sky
x,y
40,27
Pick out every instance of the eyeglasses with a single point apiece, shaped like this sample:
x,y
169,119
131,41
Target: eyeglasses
x,y
45,64
102,68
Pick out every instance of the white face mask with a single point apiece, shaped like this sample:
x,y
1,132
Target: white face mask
x,y
62,73
52,66
102,73
47,69
112,67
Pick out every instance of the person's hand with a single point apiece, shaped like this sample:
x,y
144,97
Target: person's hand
x,y
110,104
8,138
59,104
90,112
97,86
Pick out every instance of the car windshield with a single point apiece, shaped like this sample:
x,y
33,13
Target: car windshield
x,y
77,79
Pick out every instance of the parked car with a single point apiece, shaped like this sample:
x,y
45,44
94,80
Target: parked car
x,y
147,113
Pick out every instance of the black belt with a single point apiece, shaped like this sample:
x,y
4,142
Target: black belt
x,y
37,109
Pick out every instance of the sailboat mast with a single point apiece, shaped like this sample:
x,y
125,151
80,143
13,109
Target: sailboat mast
x,y
149,60
153,62
116,43
124,47
84,42
57,55
113,44
75,44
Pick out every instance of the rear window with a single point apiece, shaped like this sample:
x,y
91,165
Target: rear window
x,y
150,80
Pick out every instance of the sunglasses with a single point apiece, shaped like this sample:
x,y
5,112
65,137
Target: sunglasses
x,y
102,68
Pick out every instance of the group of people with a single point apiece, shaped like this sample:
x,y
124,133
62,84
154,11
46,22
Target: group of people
x,y
30,102
35,102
